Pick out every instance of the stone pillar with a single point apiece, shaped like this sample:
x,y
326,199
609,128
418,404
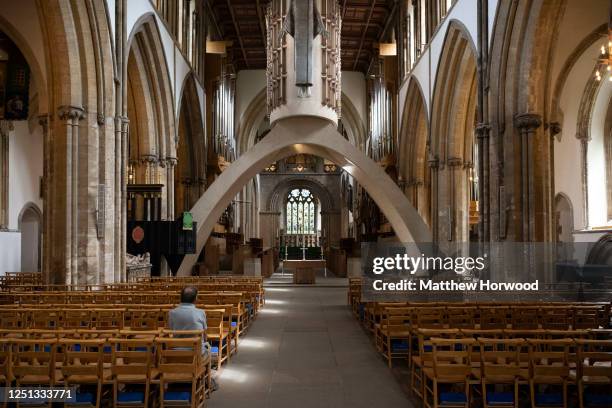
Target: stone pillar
x,y
68,167
453,226
527,124
43,121
482,138
434,167
5,128
269,229
171,163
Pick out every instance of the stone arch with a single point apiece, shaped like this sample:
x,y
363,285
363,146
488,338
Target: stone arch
x,y
310,136
277,197
452,140
30,224
601,252
79,142
38,71
353,123
150,99
413,150
190,169
564,213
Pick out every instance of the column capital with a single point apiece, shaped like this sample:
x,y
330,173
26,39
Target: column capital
x,y
43,120
553,127
528,121
434,162
454,161
171,161
148,158
71,112
6,126
482,130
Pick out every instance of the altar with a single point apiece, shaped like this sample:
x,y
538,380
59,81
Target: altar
x,y
304,271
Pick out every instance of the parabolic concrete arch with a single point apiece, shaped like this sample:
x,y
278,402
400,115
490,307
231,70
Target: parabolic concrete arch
x,y
310,136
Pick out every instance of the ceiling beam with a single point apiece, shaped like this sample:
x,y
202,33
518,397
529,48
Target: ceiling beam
x,y
261,21
231,11
363,35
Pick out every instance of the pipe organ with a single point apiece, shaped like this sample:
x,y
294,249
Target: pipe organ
x,y
380,119
224,142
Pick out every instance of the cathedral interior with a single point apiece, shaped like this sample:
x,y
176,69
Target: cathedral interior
x,y
260,151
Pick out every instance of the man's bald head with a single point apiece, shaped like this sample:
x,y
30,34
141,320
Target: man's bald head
x,y
189,294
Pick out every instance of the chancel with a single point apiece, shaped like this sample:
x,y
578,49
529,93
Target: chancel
x,y
342,203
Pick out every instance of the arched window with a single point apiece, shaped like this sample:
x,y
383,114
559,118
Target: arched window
x,y
301,210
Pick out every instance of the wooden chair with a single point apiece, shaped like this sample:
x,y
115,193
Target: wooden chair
x,y
33,363
131,367
451,367
525,318
216,335
594,373
395,335
179,361
493,317
549,367
77,319
424,358
500,365
83,365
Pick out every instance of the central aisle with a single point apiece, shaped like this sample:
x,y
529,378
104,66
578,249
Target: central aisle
x,y
305,349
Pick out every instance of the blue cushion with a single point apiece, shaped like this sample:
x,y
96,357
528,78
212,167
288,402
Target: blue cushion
x,y
108,349
177,396
132,396
140,349
77,347
500,398
428,348
234,324
597,400
214,349
452,398
552,400
85,398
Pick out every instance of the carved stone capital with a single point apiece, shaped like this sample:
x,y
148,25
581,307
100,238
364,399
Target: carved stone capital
x,y
149,158
554,128
6,126
202,181
434,162
171,161
454,162
528,122
186,181
43,120
482,130
101,119
69,112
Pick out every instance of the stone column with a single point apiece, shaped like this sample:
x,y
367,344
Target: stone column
x,y
434,166
171,163
70,116
482,138
43,121
453,164
527,124
5,128
269,223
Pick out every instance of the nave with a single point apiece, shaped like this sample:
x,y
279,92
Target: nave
x,y
306,350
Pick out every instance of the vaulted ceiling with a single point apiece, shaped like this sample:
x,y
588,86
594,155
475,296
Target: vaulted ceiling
x,y
243,23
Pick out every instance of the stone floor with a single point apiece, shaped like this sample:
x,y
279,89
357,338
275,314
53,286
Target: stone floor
x,y
305,349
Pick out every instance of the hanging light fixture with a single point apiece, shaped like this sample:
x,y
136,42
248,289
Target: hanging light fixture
x,y
605,58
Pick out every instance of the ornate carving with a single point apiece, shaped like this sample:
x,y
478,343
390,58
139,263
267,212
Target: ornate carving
x,y
482,130
69,112
554,128
434,162
454,162
527,121
171,162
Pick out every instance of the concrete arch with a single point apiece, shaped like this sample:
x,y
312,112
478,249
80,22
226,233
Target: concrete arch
x,y
310,136
257,111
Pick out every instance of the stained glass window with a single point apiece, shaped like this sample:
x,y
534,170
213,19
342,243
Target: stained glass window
x,y
301,210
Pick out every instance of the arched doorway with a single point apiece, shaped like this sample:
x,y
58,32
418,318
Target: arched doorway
x,y
30,226
304,135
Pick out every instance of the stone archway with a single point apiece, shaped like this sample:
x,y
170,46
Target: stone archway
x,y
30,226
310,136
271,215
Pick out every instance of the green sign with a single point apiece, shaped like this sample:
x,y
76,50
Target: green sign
x,y
187,221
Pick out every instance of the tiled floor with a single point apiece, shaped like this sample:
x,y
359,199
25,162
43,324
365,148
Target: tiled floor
x,y
306,350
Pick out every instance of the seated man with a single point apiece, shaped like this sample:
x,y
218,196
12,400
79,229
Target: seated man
x,y
187,317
